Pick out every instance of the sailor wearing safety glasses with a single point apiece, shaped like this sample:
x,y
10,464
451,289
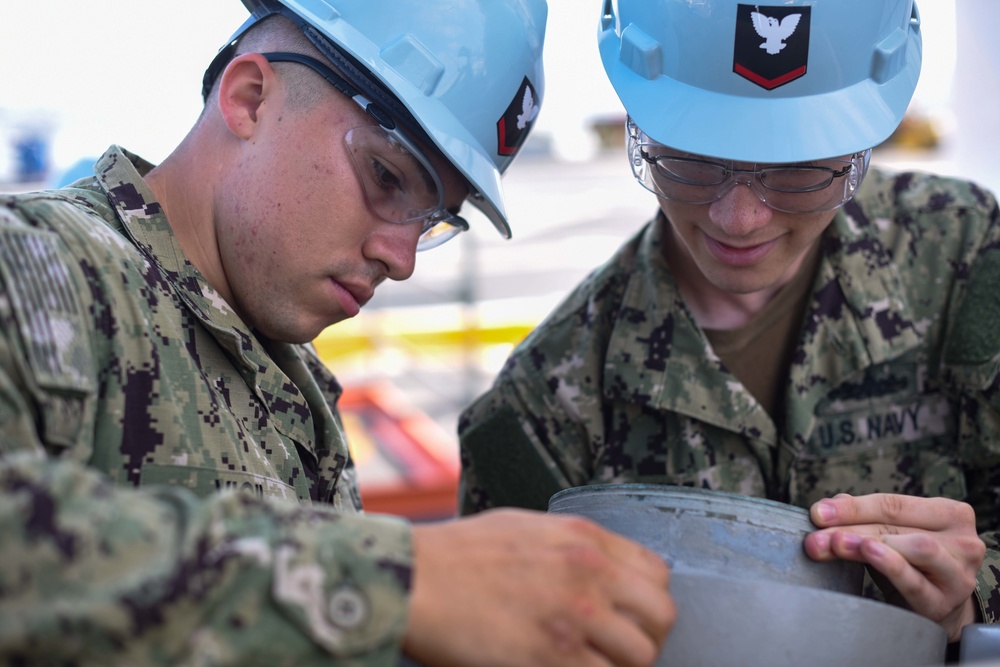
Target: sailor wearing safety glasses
x,y
794,324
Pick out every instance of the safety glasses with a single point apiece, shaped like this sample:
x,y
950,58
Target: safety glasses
x,y
399,182
821,185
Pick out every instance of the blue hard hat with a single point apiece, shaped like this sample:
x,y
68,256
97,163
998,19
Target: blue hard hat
x,y
82,168
790,81
465,75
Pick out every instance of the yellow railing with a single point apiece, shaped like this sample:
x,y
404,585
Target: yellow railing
x,y
331,344
450,333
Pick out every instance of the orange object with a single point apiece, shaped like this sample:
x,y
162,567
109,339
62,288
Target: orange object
x,y
407,464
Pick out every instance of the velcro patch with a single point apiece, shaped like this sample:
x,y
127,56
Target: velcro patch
x,y
976,336
47,310
507,462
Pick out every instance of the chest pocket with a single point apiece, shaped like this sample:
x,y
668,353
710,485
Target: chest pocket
x,y
888,433
51,330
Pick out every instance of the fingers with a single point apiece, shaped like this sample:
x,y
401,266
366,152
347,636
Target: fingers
x,y
510,587
623,642
630,554
921,569
924,530
908,560
631,629
891,509
925,551
924,575
642,602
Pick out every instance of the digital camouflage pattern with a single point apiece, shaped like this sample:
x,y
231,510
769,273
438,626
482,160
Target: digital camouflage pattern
x,y
171,490
894,386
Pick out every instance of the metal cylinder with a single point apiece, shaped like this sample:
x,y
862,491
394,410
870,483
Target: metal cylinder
x,y
745,590
713,532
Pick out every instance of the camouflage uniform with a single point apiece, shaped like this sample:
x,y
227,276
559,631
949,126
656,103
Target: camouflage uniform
x,y
120,367
894,385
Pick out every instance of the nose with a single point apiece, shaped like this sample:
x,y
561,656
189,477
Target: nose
x,y
394,246
740,211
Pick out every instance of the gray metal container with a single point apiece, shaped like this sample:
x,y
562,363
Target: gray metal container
x,y
746,592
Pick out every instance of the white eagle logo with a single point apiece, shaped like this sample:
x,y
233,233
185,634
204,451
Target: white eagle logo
x,y
528,110
774,31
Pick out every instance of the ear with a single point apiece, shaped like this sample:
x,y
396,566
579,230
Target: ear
x,y
246,83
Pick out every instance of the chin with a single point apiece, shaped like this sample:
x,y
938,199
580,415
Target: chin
x,y
310,332
298,327
745,283
282,333
302,336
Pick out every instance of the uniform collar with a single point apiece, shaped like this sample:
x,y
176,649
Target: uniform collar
x,y
120,174
658,356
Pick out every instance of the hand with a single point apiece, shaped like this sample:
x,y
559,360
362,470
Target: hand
x,y
513,587
924,553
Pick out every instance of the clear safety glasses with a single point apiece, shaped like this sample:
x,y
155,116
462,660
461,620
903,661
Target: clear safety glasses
x,y
821,185
399,182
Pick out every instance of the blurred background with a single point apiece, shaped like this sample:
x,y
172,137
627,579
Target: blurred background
x,y
78,77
